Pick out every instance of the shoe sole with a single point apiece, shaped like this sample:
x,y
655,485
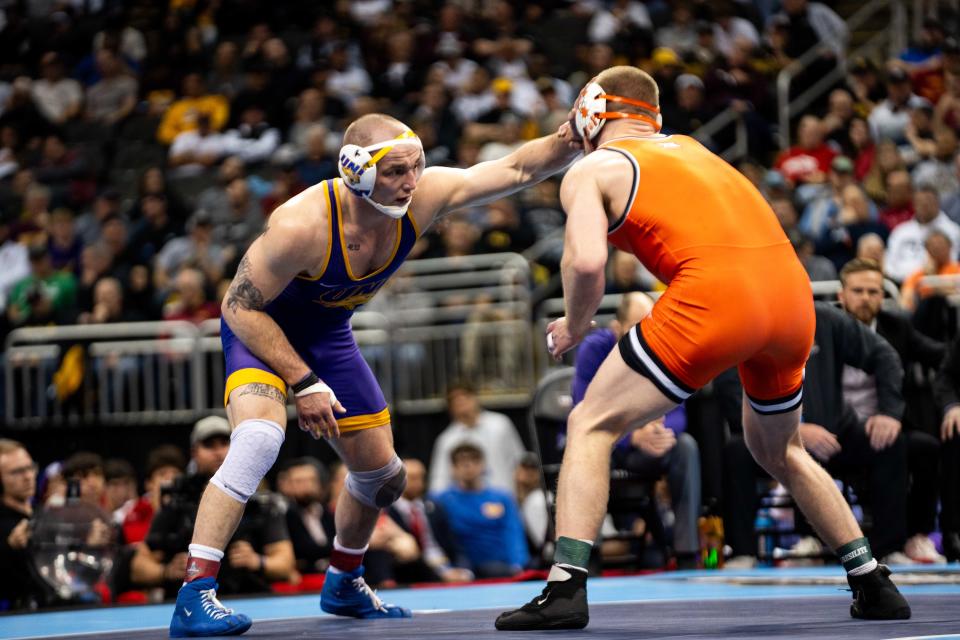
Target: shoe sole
x,y
352,614
576,622
234,632
902,613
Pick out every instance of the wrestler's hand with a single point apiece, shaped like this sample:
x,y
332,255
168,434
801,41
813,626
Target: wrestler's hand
x,y
567,132
560,339
883,431
315,415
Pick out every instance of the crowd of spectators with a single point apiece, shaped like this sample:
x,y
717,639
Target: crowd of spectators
x,y
140,140
467,528
143,146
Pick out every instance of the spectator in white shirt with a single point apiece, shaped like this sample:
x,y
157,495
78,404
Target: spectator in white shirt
x,y
622,18
193,152
346,81
14,263
493,432
254,140
889,119
57,97
906,252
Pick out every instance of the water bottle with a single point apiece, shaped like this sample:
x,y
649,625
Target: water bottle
x,y
711,542
765,539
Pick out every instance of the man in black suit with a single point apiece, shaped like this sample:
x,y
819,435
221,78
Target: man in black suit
x,y
862,297
301,481
946,389
426,522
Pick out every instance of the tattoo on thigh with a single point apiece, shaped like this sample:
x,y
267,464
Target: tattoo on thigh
x,y
243,294
264,390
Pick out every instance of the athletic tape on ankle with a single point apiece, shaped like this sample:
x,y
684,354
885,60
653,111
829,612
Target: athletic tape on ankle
x,y
254,446
855,553
573,552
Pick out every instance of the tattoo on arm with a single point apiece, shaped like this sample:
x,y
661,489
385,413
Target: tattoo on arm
x,y
243,294
264,390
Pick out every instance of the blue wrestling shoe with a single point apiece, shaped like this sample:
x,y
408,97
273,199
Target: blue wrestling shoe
x,y
348,594
198,613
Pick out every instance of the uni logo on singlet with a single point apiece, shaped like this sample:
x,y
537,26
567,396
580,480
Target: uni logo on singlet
x,y
349,297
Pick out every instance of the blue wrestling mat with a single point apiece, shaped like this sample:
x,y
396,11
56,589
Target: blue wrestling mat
x,y
758,603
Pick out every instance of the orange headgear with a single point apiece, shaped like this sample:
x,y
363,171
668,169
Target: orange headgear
x,y
591,111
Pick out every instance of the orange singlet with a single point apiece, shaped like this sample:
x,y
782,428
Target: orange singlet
x,y
737,293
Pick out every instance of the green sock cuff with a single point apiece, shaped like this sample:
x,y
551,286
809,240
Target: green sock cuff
x,y
855,554
573,552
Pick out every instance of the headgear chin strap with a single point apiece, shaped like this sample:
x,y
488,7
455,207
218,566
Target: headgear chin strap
x,y
358,168
591,111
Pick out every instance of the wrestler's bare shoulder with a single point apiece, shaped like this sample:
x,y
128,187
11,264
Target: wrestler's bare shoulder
x,y
302,223
600,167
433,190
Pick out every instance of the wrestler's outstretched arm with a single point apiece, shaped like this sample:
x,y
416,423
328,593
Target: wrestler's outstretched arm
x,y
446,189
286,248
584,253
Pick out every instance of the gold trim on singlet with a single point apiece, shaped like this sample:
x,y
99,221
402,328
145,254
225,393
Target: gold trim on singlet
x,y
326,260
343,243
250,375
365,421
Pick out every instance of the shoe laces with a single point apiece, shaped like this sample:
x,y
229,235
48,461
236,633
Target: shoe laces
x,y
213,607
361,585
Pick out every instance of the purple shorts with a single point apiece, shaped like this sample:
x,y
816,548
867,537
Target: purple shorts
x,y
333,355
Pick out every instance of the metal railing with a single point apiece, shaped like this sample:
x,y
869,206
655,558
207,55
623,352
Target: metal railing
x,y
740,147
438,321
893,38
461,319
143,371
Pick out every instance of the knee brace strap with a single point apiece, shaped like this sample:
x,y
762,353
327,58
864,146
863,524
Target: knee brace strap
x,y
254,446
378,488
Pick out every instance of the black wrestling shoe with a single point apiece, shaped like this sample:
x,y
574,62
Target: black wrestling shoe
x,y
875,597
562,605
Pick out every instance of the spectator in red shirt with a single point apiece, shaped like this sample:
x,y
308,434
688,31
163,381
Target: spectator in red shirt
x,y
809,160
164,465
899,207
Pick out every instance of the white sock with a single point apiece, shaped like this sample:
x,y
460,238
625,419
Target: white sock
x,y
864,568
205,552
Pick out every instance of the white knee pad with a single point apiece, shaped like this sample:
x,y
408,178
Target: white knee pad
x,y
254,446
378,488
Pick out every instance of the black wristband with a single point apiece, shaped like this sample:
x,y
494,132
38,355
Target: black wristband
x,y
307,380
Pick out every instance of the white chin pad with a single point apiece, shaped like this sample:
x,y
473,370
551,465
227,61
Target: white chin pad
x,y
391,210
590,105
